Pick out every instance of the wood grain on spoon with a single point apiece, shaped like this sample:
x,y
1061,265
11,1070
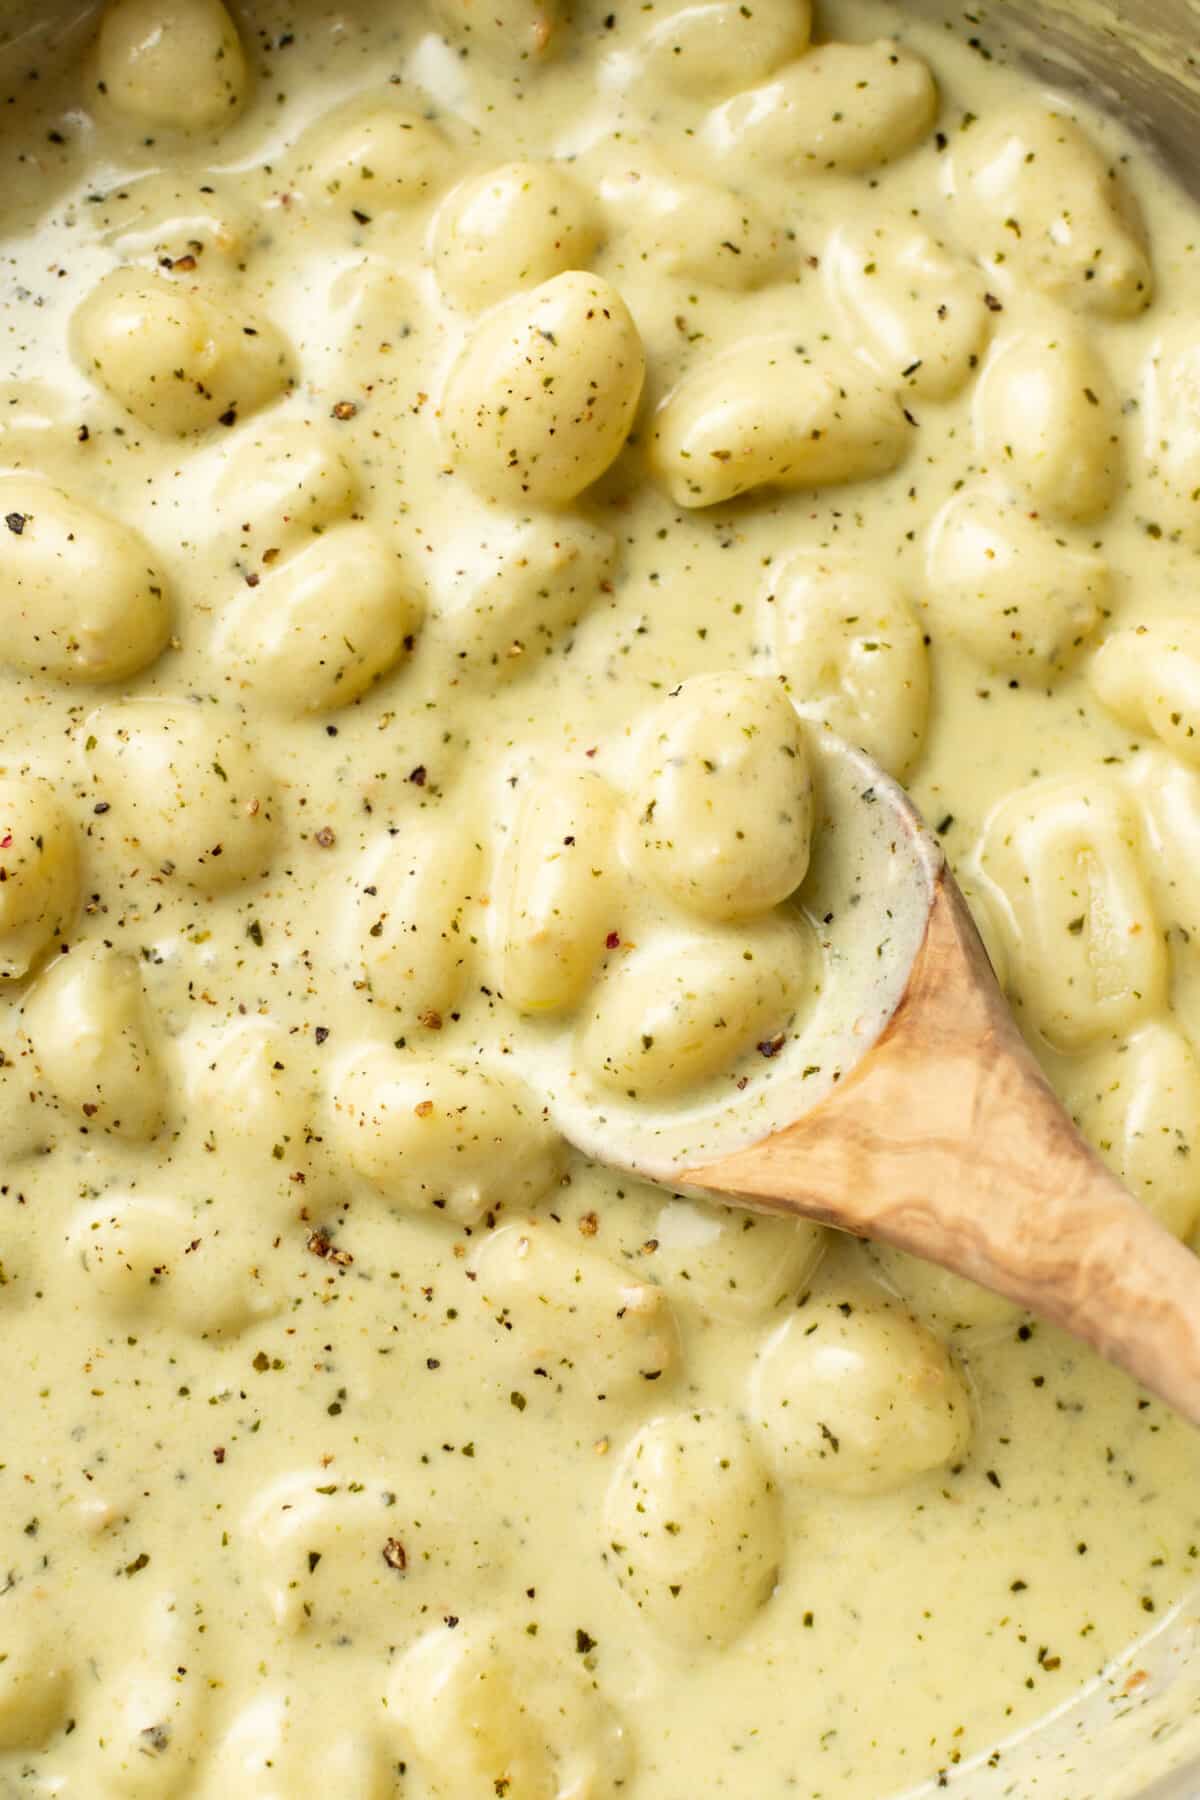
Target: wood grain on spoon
x,y
947,1140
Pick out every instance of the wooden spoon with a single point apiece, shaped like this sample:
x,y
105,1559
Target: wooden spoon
x,y
930,1125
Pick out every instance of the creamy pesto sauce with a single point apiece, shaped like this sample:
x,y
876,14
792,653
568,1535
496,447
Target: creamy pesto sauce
x,y
321,1454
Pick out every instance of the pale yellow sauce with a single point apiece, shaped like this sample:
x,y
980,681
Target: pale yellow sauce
x,y
359,1438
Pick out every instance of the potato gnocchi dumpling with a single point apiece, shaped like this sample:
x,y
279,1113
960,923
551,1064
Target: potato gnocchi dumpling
x,y
504,31
921,308
543,397
851,653
721,814
482,1709
463,1140
513,228
503,600
1021,599
732,1264
413,920
180,359
1065,860
1047,420
1138,1104
324,626
677,1012
182,785
92,1036
171,65
563,895
371,156
288,480
1040,204
39,873
278,1750
1171,415
80,596
951,1301
329,1549
769,414
253,1089
37,1682
148,1714
1149,677
841,109
144,1259
707,48
855,1396
696,231
576,1313
693,1528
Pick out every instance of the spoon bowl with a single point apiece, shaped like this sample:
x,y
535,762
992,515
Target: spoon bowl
x,y
905,1106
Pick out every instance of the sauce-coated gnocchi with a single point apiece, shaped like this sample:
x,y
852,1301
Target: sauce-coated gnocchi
x,y
459,461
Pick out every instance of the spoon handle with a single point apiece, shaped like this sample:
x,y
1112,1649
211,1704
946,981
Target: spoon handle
x,y
948,1141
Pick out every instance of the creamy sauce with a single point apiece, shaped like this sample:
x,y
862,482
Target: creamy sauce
x,y
360,1437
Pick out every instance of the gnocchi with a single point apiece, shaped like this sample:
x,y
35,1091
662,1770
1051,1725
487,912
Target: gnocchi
x,y
140,1259
1138,1103
463,1140
696,231
544,395
37,1682
693,1526
732,1264
1064,861
39,873
513,228
841,109
721,814
1171,437
857,1397
413,922
371,156
767,414
256,1094
706,48
289,481
482,1709
1149,676
588,1320
182,785
1047,421
171,64
81,598
503,602
851,654
921,308
1022,600
91,1032
180,359
682,1011
1037,202
563,895
323,627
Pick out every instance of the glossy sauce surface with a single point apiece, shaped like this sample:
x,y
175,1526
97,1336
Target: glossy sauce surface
x,y
451,466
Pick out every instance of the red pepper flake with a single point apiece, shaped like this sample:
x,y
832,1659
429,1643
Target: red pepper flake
x,y
326,837
395,1555
182,265
592,751
219,1453
423,1108
6,841
613,941
90,1109
418,775
253,580
589,1224
345,409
